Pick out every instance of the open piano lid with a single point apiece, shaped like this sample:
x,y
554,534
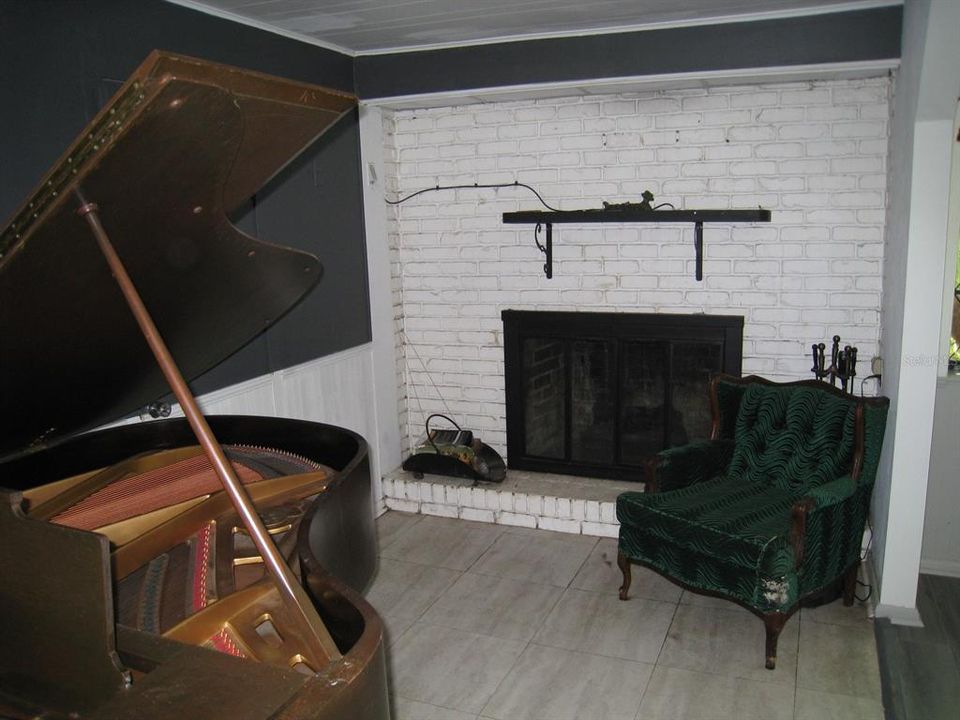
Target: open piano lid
x,y
180,146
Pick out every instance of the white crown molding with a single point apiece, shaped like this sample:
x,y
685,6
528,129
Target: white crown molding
x,y
666,25
259,25
639,27
636,83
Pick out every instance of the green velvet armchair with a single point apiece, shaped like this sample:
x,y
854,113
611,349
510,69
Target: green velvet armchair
x,y
769,513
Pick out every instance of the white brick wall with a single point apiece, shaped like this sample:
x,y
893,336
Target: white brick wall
x,y
813,153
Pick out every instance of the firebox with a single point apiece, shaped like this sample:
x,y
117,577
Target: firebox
x,y
597,394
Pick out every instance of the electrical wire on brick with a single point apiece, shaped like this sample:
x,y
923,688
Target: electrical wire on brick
x,y
516,183
474,186
483,186
864,380
479,186
413,385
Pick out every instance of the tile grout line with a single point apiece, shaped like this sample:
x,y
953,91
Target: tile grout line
x,y
656,663
563,591
596,541
711,671
504,678
396,536
591,654
515,662
402,531
543,618
461,573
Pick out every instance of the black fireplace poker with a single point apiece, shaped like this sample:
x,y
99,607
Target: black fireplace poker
x,y
843,364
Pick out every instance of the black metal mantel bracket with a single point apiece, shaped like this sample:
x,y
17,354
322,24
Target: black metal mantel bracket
x,y
546,248
630,215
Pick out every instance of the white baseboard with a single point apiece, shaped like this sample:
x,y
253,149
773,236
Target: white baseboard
x,y
948,568
899,615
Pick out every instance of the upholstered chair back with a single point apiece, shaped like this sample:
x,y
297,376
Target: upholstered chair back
x,y
794,437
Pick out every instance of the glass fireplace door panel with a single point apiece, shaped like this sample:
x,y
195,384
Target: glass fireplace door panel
x,y
592,401
691,365
643,375
544,397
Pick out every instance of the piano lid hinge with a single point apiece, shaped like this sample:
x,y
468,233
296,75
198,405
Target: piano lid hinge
x,y
156,409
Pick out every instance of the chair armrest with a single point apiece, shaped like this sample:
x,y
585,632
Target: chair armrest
x,y
833,492
836,508
687,465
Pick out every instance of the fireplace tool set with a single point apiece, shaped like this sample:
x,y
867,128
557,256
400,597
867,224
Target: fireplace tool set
x,y
843,364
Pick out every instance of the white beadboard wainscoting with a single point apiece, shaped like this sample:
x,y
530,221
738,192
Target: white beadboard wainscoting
x,y
336,389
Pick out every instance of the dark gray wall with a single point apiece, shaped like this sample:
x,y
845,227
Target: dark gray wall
x,y
829,38
61,59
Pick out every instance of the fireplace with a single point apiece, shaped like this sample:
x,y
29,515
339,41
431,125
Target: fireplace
x,y
597,394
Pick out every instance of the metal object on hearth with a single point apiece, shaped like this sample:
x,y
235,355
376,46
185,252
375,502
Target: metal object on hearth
x,y
842,367
455,453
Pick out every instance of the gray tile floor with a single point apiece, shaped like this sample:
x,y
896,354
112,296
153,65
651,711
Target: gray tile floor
x,y
920,667
488,621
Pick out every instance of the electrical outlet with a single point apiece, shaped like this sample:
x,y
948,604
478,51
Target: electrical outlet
x,y
876,365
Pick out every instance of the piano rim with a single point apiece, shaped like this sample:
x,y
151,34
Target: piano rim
x,y
349,453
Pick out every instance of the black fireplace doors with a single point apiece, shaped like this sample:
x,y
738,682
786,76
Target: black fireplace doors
x,y
597,394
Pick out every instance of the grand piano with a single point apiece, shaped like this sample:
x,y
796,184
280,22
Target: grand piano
x,y
197,567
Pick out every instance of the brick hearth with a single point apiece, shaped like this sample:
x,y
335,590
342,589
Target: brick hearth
x,y
582,506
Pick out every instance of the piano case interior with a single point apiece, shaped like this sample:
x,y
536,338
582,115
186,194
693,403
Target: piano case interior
x,y
133,582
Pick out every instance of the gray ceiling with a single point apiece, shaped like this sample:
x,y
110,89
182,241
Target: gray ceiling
x,y
364,26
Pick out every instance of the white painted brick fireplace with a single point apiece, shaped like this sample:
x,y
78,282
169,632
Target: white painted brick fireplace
x,y
814,153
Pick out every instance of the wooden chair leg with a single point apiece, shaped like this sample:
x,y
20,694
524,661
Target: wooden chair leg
x,y
773,623
623,562
850,585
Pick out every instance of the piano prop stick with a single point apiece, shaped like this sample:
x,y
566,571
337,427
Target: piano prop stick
x,y
294,596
